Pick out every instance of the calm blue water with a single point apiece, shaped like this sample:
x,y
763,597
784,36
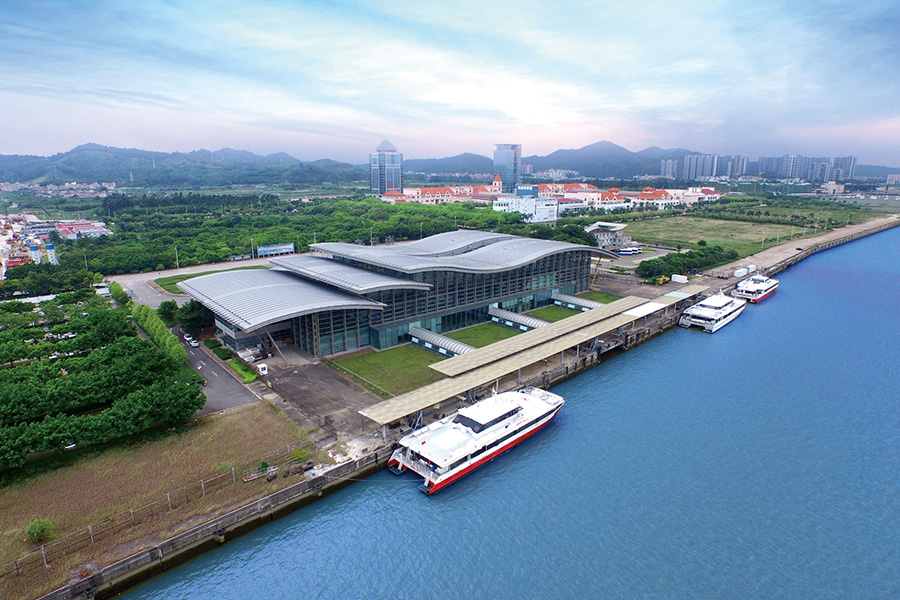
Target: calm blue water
x,y
759,462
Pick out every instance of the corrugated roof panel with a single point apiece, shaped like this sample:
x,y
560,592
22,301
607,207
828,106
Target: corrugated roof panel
x,y
254,298
341,275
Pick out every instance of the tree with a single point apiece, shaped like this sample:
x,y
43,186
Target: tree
x,y
193,316
167,310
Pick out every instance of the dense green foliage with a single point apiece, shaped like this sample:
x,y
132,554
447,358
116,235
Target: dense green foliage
x,y
118,294
675,262
167,310
156,329
37,280
193,316
89,379
150,231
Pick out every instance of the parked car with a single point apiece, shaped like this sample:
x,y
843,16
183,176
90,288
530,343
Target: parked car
x,y
194,343
188,338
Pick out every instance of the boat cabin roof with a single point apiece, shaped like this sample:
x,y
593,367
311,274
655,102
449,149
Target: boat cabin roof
x,y
488,409
716,301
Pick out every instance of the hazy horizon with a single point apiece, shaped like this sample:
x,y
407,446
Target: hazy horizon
x,y
331,80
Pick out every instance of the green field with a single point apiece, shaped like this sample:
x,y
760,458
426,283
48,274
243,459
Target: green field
x,y
553,313
600,297
168,283
482,335
744,237
397,370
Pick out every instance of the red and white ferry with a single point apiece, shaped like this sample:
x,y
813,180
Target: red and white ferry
x,y
755,288
454,446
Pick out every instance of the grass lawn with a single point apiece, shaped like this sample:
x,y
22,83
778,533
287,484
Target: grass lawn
x,y
739,235
398,370
599,297
95,487
552,313
168,283
482,335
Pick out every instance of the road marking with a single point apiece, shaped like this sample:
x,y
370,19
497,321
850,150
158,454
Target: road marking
x,y
202,363
214,373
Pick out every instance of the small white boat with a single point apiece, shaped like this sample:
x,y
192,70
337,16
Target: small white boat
x,y
755,288
714,313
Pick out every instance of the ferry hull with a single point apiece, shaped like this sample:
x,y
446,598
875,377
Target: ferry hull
x,y
433,485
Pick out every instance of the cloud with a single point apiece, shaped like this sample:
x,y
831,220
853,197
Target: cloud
x,y
441,79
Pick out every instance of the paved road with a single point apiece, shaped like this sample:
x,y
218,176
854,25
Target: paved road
x,y
222,389
141,288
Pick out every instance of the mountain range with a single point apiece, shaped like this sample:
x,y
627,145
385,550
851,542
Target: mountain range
x,y
127,166
143,168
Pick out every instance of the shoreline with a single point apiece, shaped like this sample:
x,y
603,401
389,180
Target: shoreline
x,y
148,563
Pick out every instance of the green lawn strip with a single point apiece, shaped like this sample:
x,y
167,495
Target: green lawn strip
x,y
398,370
600,297
212,343
243,370
552,313
168,283
223,353
482,335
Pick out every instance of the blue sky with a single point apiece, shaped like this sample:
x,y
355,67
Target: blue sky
x,y
331,79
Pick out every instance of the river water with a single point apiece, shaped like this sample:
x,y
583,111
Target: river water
x,y
759,462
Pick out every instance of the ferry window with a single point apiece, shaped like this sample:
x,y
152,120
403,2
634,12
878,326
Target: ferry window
x,y
470,423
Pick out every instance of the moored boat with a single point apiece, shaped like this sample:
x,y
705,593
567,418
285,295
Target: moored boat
x,y
713,313
755,288
454,446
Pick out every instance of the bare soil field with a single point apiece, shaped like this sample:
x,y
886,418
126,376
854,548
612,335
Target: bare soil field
x,y
95,488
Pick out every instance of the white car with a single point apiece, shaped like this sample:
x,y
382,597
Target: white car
x,y
194,343
188,338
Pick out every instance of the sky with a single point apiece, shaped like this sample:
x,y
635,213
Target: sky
x,y
332,78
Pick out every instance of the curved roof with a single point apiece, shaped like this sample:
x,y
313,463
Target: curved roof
x,y
461,251
253,298
343,276
575,300
441,341
519,318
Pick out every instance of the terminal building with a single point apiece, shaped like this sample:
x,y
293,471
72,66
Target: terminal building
x,y
349,296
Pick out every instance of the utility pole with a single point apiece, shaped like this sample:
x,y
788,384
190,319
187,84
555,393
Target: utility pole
x,y
762,241
177,264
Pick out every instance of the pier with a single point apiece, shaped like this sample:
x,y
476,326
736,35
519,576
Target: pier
x,y
537,358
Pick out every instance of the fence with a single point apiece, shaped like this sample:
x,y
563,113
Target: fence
x,y
114,525
216,528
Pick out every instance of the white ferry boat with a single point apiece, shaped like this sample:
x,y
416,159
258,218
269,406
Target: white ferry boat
x,y
712,314
755,288
456,445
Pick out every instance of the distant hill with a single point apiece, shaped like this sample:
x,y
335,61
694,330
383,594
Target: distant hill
x,y
605,159
874,171
462,163
96,163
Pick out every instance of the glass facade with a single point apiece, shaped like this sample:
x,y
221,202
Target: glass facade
x,y
386,169
456,300
507,164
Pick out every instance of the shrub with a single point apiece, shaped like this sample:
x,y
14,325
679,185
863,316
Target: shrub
x,y
223,353
39,530
212,343
299,454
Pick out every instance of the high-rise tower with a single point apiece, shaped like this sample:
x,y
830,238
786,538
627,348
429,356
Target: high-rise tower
x,y
507,164
386,169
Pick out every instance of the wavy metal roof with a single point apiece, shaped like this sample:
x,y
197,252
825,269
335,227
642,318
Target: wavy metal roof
x,y
514,317
343,276
461,251
254,298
